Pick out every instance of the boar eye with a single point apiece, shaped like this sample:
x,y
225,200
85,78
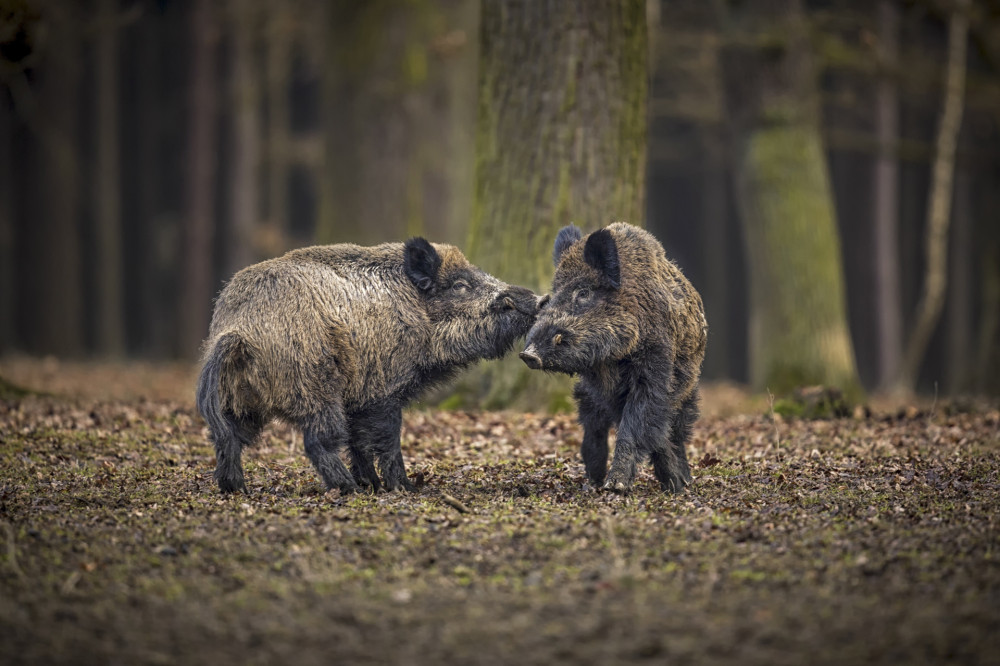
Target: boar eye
x,y
460,286
582,295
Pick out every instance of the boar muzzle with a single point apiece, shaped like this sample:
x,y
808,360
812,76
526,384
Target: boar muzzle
x,y
520,299
531,358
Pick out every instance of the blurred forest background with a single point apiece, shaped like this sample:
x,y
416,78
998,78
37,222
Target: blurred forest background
x,y
827,173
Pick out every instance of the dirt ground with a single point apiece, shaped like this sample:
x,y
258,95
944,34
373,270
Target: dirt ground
x,y
872,539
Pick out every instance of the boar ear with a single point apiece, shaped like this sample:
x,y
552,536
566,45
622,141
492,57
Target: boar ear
x,y
566,237
601,252
421,263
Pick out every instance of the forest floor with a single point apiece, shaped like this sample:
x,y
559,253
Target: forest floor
x,y
873,539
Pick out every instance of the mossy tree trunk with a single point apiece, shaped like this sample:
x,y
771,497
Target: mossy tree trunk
x,y
798,326
397,113
561,138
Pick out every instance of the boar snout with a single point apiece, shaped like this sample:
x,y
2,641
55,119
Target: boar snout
x,y
531,358
518,298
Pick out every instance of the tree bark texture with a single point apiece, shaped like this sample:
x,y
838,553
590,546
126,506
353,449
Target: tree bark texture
x,y
199,222
110,275
396,135
798,331
561,138
888,297
939,202
562,128
8,238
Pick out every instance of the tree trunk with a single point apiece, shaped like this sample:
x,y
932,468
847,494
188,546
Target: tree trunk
x,y
561,138
397,77
110,283
243,184
198,225
961,290
280,38
939,204
59,272
888,299
798,324
714,215
8,238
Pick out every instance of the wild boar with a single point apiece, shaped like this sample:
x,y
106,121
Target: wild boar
x,y
625,319
337,339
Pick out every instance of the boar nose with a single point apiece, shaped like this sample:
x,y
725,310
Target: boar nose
x,y
520,299
531,358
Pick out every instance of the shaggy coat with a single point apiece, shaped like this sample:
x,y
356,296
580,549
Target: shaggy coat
x,y
336,339
626,321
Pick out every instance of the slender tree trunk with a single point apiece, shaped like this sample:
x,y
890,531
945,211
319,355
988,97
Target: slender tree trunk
x,y
110,300
888,298
198,224
939,204
961,290
8,237
279,53
561,138
243,184
798,324
59,271
714,215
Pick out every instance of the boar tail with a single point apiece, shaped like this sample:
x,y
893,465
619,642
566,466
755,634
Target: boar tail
x,y
221,369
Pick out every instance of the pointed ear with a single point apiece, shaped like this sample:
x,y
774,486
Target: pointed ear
x,y
566,237
601,252
421,263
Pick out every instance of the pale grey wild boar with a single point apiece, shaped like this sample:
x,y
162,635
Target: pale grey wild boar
x,y
336,339
626,321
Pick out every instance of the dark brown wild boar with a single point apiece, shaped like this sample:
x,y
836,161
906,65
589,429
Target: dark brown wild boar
x,y
624,318
336,339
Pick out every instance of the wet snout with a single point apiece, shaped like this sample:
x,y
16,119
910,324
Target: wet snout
x,y
531,358
520,299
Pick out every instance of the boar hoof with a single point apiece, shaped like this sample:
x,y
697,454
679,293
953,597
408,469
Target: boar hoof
x,y
616,486
231,485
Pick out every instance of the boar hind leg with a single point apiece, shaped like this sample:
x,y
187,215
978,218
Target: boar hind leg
x,y
230,437
596,422
680,433
324,434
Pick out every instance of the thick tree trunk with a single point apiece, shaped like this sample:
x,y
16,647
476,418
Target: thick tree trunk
x,y
714,215
561,138
562,128
198,225
798,324
243,183
939,204
397,124
888,298
110,282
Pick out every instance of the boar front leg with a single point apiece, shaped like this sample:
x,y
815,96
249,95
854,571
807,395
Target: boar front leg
x,y
324,434
596,422
363,427
384,423
644,427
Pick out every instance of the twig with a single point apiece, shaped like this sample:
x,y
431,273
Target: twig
x,y
774,421
454,503
12,550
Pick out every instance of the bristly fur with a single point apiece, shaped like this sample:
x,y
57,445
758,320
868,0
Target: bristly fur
x,y
566,237
337,339
626,321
